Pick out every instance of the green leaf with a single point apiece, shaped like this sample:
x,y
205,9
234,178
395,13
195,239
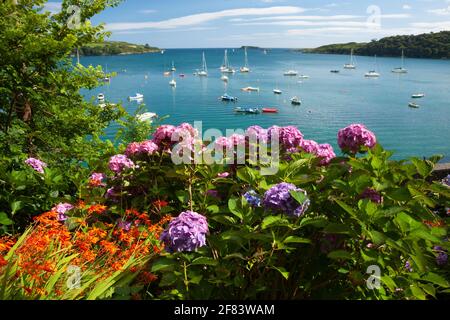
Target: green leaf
x,y
418,293
294,239
424,167
339,254
282,271
4,220
299,196
204,261
162,264
233,207
16,206
436,279
273,220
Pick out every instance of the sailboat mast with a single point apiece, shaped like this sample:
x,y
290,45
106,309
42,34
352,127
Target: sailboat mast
x,y
204,62
78,57
246,58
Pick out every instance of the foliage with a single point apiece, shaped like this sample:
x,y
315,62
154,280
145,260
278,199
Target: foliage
x,y
115,48
429,45
42,113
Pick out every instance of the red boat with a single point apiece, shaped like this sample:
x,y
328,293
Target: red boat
x,y
270,110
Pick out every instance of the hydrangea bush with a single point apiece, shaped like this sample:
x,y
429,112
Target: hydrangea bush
x,y
312,230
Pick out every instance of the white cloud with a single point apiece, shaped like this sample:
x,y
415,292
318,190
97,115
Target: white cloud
x,y
441,12
147,11
406,7
200,18
53,7
290,17
432,26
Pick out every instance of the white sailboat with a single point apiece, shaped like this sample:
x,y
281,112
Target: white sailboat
x,y
204,71
173,67
172,82
245,68
224,78
373,73
226,68
402,68
352,64
106,78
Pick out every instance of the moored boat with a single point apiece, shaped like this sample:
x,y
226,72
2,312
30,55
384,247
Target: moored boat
x,y
227,97
296,101
101,97
270,110
138,96
249,89
290,73
413,105
247,110
277,91
418,95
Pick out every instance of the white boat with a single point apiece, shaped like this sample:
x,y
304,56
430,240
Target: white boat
x,y
265,51
106,78
101,97
226,68
224,78
291,73
352,64
296,101
173,67
162,51
418,95
302,76
277,91
146,116
372,73
402,68
413,105
173,83
204,71
249,89
138,96
245,68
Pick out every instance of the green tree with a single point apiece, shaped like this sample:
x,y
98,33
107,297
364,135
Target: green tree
x,y
42,112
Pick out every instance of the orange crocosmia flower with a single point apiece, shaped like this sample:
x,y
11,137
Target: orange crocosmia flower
x,y
109,247
97,208
3,262
160,203
80,204
147,277
434,224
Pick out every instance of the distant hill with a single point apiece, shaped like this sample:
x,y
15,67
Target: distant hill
x,y
251,47
428,45
108,48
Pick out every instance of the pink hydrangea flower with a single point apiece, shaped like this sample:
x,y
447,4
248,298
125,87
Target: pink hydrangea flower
x,y
132,149
36,164
290,137
354,137
326,153
148,147
163,135
96,180
61,209
120,162
309,146
257,133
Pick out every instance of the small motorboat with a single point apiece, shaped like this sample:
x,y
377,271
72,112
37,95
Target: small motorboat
x,y
250,89
224,78
147,116
296,101
418,95
247,110
101,97
167,73
182,75
291,73
106,79
303,76
372,74
138,96
227,97
413,105
277,91
334,71
269,110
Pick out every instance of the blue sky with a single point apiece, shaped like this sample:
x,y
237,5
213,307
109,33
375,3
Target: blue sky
x,y
269,23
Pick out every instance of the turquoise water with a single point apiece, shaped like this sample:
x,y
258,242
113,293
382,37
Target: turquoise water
x,y
330,101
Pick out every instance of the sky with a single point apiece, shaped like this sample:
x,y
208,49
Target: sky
x,y
268,23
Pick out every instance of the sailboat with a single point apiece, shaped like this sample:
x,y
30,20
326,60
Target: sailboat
x,y
225,68
78,57
172,82
245,68
224,78
106,78
401,69
352,64
372,73
173,67
204,71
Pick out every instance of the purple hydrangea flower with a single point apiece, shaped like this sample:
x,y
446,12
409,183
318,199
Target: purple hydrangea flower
x,y
61,209
163,136
120,162
408,266
96,179
252,198
278,198
352,138
132,149
148,147
184,131
442,257
372,195
36,164
124,225
309,146
187,232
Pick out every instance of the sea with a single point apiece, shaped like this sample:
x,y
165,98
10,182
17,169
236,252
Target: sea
x,y
330,101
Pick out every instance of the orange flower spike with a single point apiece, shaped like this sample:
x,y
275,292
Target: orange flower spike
x,y
97,208
3,262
